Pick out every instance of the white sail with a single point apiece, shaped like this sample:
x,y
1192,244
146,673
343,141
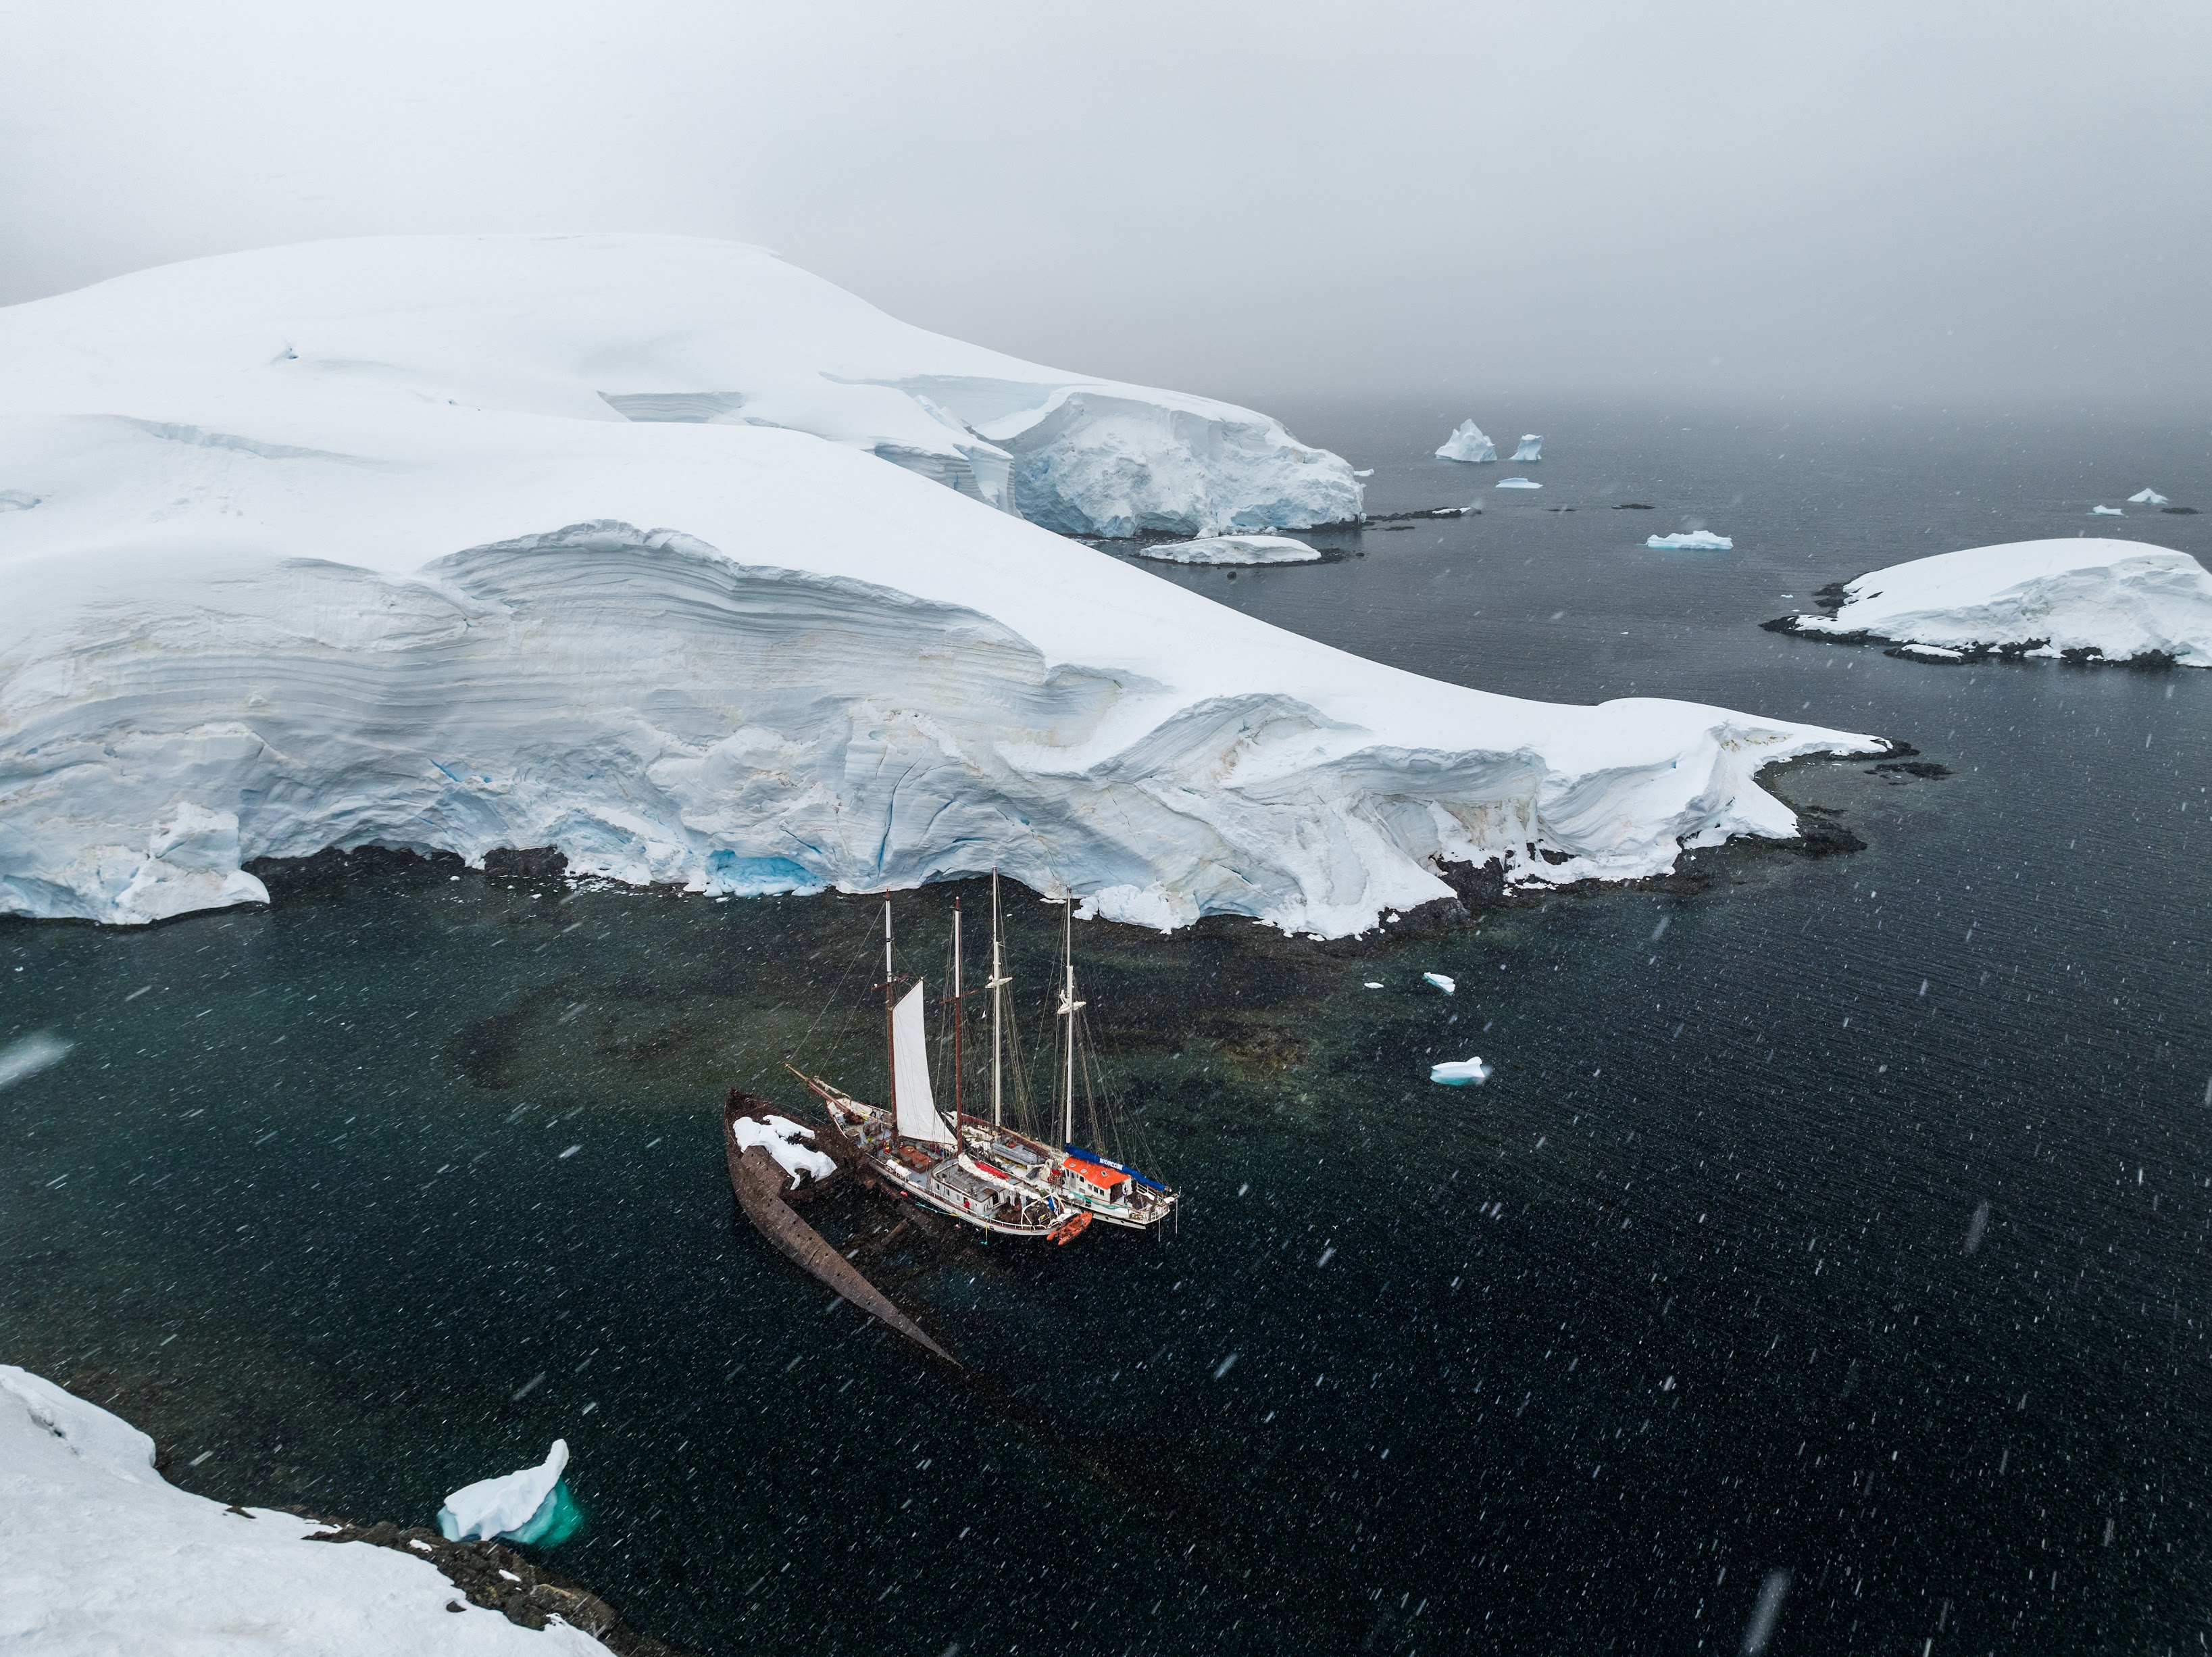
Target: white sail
x,y
911,1099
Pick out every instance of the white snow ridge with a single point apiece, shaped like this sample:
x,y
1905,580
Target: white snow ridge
x,y
2113,600
342,544
1468,443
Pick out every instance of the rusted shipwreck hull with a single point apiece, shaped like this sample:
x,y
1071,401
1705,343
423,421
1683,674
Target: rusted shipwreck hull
x,y
760,1185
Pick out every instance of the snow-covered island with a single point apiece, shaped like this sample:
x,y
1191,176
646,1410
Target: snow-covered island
x,y
1230,549
99,1553
621,545
2082,599
1468,444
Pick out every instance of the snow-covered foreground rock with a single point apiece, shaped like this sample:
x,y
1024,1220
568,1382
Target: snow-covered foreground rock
x,y
2114,601
253,614
670,330
1230,549
99,1554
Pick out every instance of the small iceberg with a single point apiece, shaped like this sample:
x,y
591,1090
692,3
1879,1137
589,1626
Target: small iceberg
x,y
1461,1073
2147,497
1449,986
2106,512
533,1505
778,1136
1371,984
1370,472
1231,549
1468,443
1695,540
1516,483
1532,446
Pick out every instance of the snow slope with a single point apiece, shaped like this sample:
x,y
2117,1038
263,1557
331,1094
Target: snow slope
x,y
100,1555
664,329
2116,600
258,612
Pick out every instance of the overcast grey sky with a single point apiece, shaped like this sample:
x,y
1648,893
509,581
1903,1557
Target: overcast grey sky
x,y
1920,203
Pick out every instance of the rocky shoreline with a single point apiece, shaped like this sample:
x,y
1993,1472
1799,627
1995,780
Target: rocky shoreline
x,y
494,1576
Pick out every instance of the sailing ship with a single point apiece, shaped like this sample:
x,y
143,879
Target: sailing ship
x,y
988,1174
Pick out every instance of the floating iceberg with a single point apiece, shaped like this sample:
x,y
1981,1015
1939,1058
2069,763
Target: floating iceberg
x,y
1516,483
1694,540
102,1555
2087,599
2106,512
1532,447
1449,985
1461,1073
1230,549
780,1137
522,1506
2147,497
1468,443
277,597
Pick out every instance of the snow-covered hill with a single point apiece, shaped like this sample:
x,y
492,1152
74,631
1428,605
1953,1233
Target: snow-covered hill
x,y
2117,600
674,329
429,592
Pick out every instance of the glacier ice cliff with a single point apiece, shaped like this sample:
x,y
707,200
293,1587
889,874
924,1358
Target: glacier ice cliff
x,y
1468,443
255,614
2091,599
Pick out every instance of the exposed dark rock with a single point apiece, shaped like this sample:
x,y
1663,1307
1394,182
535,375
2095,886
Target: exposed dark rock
x,y
1821,836
294,877
2178,511
1911,768
528,863
1631,506
496,1577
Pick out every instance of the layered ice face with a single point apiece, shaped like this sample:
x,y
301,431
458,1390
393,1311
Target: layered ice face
x,y
387,578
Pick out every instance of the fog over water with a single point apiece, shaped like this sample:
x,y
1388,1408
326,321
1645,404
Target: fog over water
x,y
1878,204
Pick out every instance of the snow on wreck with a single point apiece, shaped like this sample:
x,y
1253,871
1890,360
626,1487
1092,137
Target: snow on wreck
x,y
260,610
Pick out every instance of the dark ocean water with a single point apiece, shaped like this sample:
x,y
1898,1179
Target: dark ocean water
x,y
1684,1299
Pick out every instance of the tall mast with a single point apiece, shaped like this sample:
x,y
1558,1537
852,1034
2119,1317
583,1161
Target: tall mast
x,y
1068,1004
890,1046
957,1021
998,982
